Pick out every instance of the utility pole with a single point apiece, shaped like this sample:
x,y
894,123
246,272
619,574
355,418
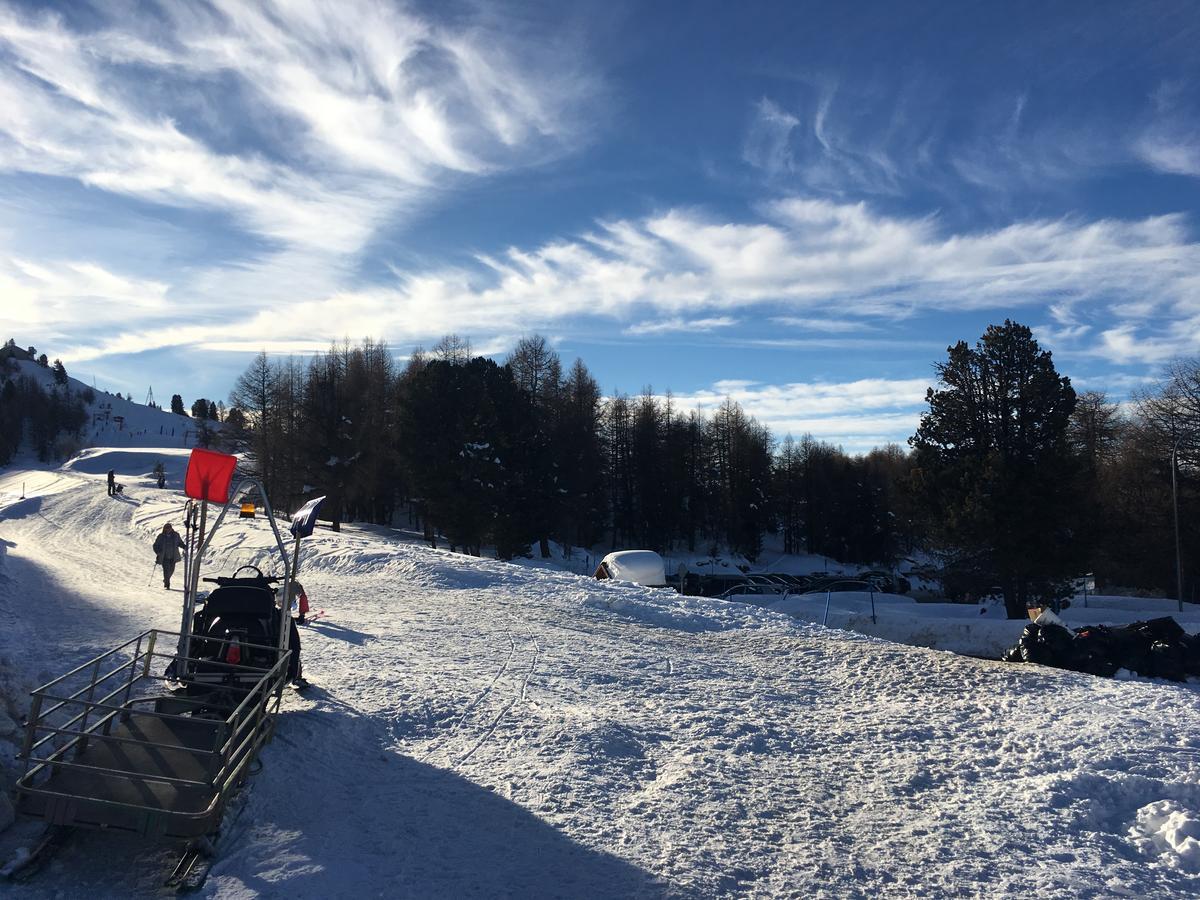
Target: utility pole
x,y
1175,504
150,396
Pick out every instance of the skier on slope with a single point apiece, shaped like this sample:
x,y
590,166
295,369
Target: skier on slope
x,y
167,547
112,482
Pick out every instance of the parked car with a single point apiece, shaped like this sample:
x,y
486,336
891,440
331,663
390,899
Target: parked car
x,y
842,584
715,585
781,580
790,584
886,581
766,581
639,566
756,594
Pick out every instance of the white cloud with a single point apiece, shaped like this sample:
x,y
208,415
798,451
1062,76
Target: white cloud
x,y
39,294
825,326
348,112
1127,343
804,259
857,414
677,323
1170,142
1175,154
767,144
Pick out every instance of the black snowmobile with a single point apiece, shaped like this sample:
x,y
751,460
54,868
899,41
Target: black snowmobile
x,y
234,634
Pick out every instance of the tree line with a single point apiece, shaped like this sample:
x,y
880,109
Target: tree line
x,y
1012,482
49,419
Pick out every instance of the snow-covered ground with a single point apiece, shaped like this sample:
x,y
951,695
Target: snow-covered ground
x,y
483,729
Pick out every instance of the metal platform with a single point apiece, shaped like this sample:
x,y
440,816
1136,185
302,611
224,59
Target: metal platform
x,y
140,758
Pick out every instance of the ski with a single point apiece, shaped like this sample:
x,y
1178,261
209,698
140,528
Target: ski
x,y
191,871
49,842
198,858
309,619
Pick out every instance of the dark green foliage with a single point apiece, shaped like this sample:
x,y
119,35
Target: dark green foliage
x,y
1000,486
199,409
511,455
467,452
177,405
847,508
50,421
1132,460
1013,487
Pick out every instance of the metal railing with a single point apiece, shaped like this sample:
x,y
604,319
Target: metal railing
x,y
228,709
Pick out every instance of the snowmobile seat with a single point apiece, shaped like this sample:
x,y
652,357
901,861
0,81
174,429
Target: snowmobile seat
x,y
242,609
240,600
238,625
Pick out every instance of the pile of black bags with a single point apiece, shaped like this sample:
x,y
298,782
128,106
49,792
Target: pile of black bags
x,y
1159,648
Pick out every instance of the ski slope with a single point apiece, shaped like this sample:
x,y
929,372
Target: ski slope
x,y
117,422
482,729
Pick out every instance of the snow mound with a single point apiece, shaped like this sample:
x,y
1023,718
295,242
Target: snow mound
x,y
1171,832
666,609
137,462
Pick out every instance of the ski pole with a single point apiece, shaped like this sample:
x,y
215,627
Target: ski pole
x,y
150,580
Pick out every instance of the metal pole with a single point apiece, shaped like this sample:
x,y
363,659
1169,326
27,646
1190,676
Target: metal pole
x,y
1175,504
190,604
873,621
825,621
190,545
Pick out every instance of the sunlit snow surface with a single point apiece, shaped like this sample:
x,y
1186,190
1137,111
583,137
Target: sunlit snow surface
x,y
482,729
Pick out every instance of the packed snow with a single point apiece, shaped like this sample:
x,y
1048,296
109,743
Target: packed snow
x,y
479,729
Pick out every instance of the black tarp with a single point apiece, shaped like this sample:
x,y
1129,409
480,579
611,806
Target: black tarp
x,y
1157,648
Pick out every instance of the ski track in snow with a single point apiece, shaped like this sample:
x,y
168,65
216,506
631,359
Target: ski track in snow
x,y
481,729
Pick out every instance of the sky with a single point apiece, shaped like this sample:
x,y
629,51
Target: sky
x,y
796,205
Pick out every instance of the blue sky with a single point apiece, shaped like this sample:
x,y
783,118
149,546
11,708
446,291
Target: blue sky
x,y
799,205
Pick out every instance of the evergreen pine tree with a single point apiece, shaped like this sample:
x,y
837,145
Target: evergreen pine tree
x,y
997,479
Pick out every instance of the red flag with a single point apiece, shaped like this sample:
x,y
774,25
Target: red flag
x,y
209,475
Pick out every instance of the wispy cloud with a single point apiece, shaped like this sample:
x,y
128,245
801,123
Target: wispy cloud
x,y
325,120
1170,142
839,138
803,259
823,148
768,142
823,325
677,323
39,294
857,414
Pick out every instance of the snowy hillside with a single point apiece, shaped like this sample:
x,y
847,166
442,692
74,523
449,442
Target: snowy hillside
x,y
119,422
482,729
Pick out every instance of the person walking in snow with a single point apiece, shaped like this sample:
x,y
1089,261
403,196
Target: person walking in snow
x,y
167,547
112,482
